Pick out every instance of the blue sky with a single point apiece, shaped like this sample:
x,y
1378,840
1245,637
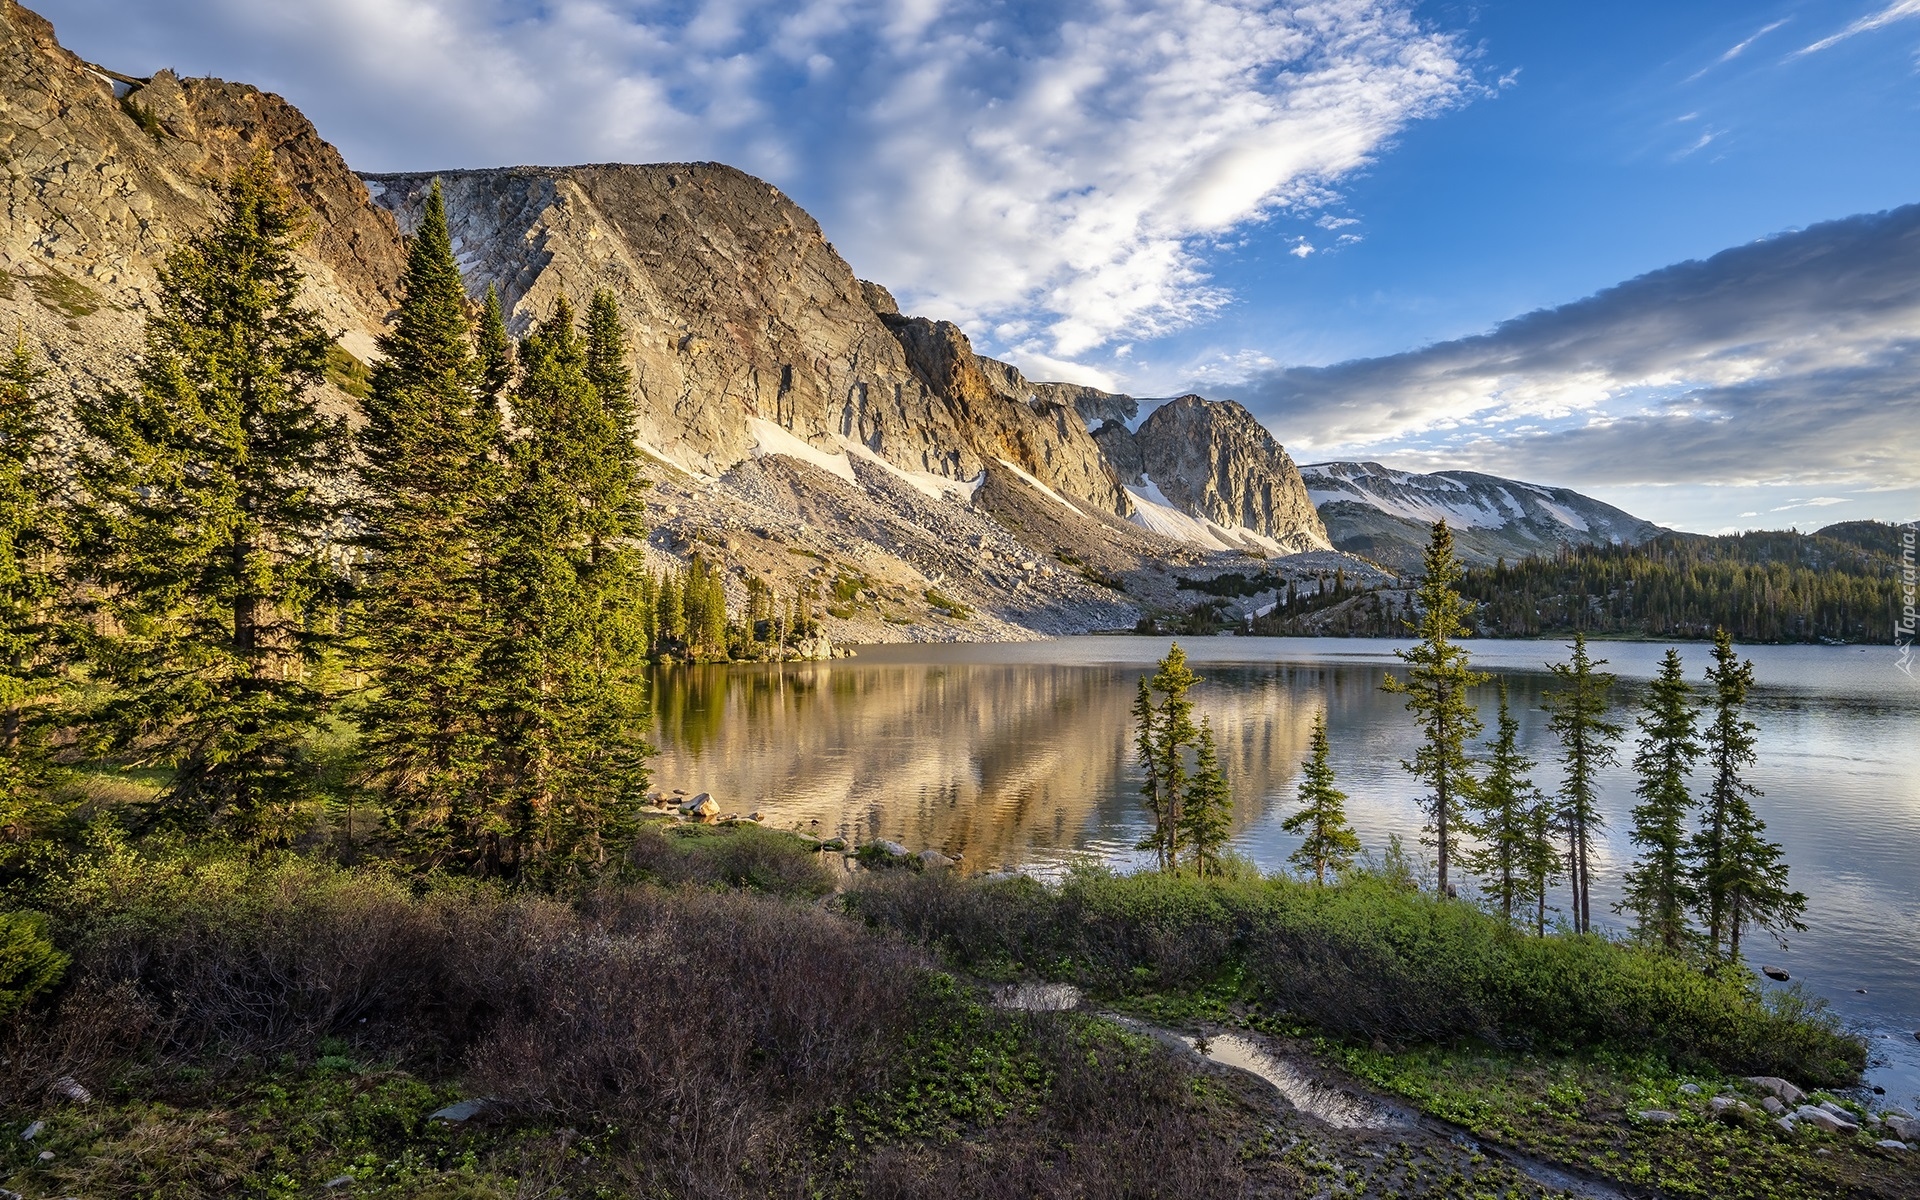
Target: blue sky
x,y
1340,212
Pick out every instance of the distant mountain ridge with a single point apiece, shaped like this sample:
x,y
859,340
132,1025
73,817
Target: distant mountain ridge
x,y
1385,515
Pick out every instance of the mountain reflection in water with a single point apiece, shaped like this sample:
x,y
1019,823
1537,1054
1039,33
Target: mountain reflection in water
x,y
1020,755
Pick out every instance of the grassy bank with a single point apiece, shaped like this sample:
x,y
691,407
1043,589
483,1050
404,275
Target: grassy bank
x,y
1373,959
707,1023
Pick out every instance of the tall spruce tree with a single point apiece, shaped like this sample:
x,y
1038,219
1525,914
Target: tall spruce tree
x,y
429,471
29,587
1577,717
1164,731
1438,679
1739,877
1508,806
1328,843
206,520
1206,819
493,349
1658,888
566,699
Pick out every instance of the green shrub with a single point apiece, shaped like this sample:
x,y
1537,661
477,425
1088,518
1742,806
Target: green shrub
x,y
948,606
743,856
29,961
1369,958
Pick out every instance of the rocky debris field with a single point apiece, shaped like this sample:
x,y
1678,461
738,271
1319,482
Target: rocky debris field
x,y
884,561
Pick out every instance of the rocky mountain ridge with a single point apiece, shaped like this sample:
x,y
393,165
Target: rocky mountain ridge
x,y
1213,461
1385,514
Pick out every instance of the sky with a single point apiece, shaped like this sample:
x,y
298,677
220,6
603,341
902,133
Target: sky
x,y
1652,251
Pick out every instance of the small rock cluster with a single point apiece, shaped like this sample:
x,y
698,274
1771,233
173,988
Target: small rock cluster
x,y
1790,1109
701,807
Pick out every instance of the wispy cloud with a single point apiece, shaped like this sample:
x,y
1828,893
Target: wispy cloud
x,y
1057,167
1900,10
1738,49
1790,361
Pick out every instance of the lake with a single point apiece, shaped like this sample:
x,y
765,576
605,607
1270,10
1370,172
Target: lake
x,y
1018,755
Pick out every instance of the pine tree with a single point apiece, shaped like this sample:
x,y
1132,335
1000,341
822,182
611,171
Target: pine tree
x,y
1509,806
607,367
1164,732
29,587
429,472
1543,859
1206,820
1328,843
206,520
1739,876
1658,890
493,349
1438,678
566,693
1577,716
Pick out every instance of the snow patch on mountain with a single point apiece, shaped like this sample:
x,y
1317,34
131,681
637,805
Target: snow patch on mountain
x,y
1384,513
1042,488
1154,512
769,439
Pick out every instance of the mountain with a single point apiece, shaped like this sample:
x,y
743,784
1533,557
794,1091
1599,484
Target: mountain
x,y
103,177
1386,515
1208,472
799,427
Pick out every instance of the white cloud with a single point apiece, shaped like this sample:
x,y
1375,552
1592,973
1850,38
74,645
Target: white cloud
x,y
1057,164
1900,10
1737,50
1788,362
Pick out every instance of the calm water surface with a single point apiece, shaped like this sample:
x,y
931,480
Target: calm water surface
x,y
1018,755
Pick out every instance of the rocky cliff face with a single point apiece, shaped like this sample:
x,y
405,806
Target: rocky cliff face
x,y
1387,515
1213,460
100,186
740,310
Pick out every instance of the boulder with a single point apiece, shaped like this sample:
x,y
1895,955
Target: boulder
x,y
933,860
1691,1089
1778,973
1773,1085
1890,1144
33,1131
1786,1125
1820,1118
1905,1128
461,1110
1773,1106
68,1088
1657,1116
702,807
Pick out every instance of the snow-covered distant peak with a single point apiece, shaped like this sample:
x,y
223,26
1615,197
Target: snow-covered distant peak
x,y
1376,510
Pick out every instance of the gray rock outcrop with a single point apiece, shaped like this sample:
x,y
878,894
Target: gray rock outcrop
x,y
1213,459
739,309
100,186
